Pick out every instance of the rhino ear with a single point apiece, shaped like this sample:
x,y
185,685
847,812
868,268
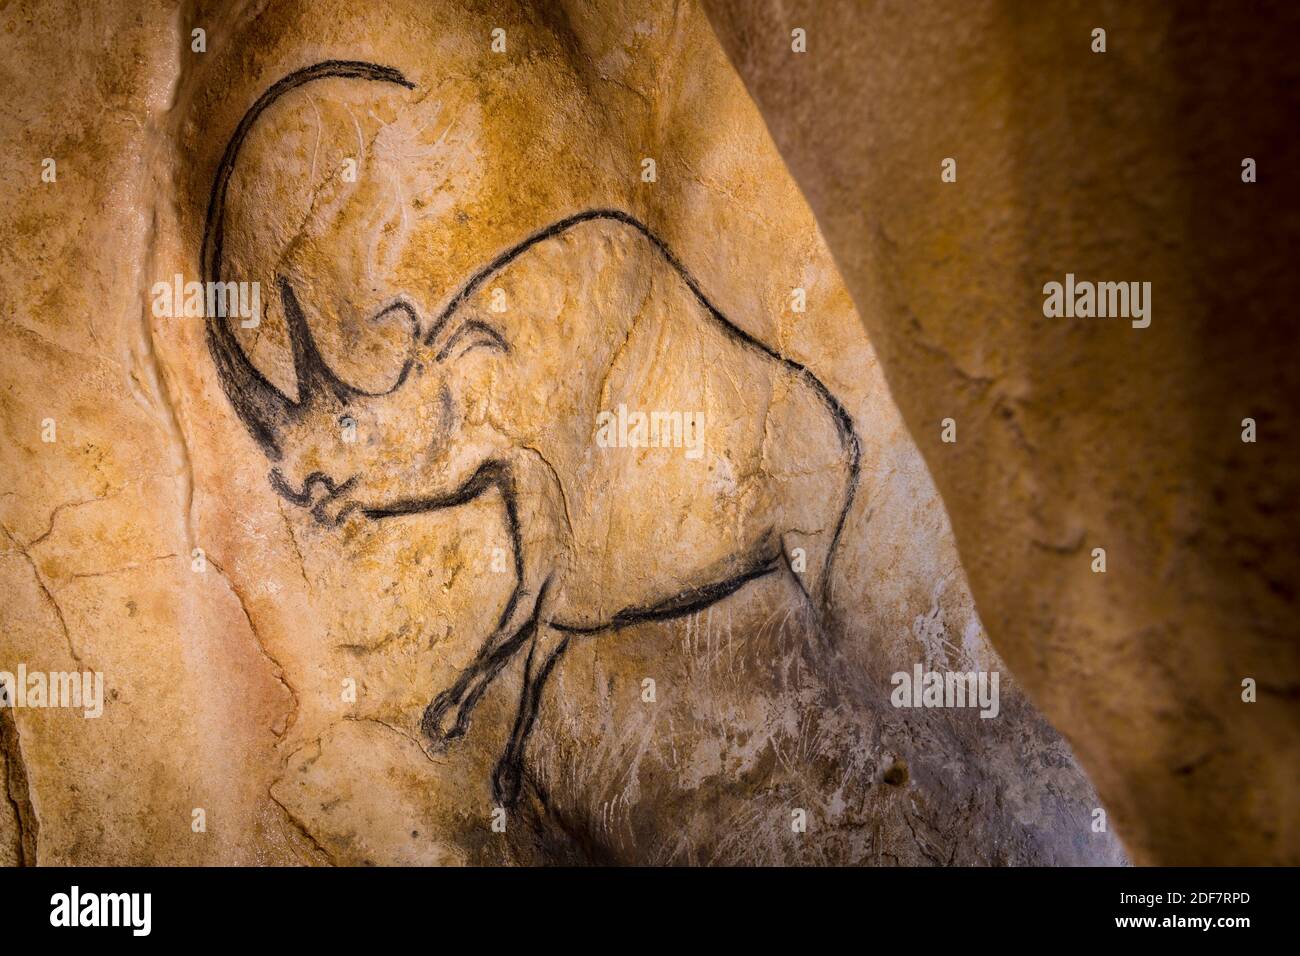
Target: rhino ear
x,y
472,335
407,318
386,348
401,310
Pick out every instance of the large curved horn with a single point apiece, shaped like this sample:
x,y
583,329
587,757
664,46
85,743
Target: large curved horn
x,y
264,409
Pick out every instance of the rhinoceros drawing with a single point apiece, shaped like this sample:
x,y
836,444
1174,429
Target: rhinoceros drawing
x,y
508,402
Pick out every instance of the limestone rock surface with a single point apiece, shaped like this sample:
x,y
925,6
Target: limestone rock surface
x,y
1081,434
270,641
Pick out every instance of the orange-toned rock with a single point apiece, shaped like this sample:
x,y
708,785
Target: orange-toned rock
x,y
414,473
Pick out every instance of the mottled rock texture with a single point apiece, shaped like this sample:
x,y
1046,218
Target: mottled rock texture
x,y
1081,434
271,662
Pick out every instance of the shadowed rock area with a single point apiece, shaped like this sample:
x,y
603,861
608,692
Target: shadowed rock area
x,y
1083,433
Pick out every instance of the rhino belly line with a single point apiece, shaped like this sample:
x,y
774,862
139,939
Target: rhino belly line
x,y
680,605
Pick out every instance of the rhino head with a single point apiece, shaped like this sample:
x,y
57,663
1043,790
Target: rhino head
x,y
337,448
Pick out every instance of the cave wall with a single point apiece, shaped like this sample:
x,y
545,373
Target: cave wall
x,y
272,669
1075,434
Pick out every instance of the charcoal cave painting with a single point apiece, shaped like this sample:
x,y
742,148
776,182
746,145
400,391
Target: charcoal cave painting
x,y
448,431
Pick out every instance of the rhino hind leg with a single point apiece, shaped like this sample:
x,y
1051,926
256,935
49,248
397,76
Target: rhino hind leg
x,y
808,562
547,647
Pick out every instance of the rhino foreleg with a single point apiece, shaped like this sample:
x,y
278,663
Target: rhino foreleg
x,y
447,716
516,628
460,698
